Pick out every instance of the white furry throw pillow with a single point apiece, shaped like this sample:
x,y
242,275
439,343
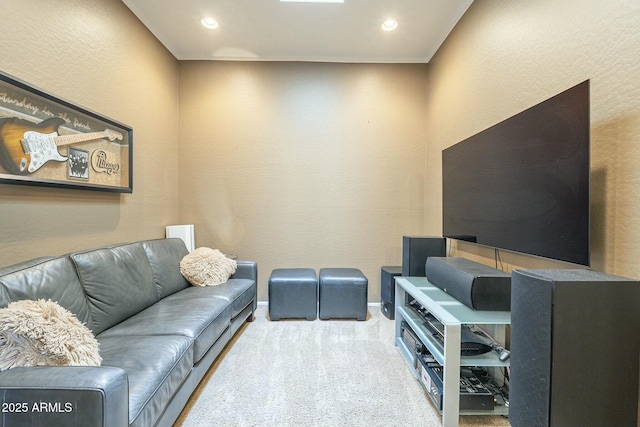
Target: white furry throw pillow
x,y
36,333
207,267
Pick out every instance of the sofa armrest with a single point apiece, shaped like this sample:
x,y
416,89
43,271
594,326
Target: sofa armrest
x,y
47,396
246,270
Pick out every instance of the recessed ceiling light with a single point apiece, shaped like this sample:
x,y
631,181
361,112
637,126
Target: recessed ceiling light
x,y
209,23
389,25
312,1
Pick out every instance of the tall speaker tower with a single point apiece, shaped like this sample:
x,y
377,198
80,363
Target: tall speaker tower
x,y
575,349
416,250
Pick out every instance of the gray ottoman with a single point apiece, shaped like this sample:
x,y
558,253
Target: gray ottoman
x,y
293,293
343,294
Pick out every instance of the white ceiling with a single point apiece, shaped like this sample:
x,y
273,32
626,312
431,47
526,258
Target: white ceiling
x,y
269,30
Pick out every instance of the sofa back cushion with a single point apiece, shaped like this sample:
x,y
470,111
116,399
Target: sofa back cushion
x,y
46,278
164,256
118,282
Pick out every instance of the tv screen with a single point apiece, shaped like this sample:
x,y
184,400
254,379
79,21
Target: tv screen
x,y
523,184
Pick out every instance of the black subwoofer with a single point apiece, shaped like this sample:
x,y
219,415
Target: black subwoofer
x,y
388,290
574,349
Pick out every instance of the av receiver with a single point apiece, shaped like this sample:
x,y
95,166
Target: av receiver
x,y
474,394
471,344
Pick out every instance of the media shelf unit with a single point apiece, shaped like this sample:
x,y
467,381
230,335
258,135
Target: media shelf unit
x,y
453,315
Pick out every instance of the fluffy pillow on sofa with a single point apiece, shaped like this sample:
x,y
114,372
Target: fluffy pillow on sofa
x,y
207,267
36,333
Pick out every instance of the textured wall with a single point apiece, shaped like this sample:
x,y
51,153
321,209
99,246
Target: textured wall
x,y
317,164
504,57
303,164
95,54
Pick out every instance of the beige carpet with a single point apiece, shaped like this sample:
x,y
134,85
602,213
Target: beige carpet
x,y
314,373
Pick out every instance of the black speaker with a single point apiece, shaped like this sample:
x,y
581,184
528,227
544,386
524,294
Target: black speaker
x,y
388,290
416,250
574,349
476,285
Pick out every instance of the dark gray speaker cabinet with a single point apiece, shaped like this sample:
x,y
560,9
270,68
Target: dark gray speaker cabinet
x,y
388,290
416,250
575,347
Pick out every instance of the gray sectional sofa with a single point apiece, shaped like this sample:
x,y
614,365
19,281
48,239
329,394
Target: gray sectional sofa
x,y
158,335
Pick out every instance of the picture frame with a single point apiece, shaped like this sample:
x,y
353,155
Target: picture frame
x,y
47,141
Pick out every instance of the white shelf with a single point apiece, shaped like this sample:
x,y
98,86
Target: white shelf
x,y
452,314
446,308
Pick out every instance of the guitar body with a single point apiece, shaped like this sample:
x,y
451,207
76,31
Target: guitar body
x,y
25,146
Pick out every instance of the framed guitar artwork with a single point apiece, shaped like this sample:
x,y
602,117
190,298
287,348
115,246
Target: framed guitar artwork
x,y
47,141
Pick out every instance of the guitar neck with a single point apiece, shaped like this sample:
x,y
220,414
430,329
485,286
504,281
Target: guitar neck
x,y
62,140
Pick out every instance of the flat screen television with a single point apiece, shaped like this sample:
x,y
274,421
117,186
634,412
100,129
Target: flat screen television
x,y
523,184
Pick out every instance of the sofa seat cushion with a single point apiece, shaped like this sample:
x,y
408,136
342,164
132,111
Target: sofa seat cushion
x,y
238,292
156,367
201,319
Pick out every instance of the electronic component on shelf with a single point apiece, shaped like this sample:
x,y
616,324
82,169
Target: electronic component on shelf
x,y
471,344
503,354
412,342
474,394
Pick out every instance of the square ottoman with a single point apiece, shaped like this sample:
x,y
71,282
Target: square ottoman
x,y
342,294
293,293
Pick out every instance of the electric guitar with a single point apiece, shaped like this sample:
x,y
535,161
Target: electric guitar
x,y
25,147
